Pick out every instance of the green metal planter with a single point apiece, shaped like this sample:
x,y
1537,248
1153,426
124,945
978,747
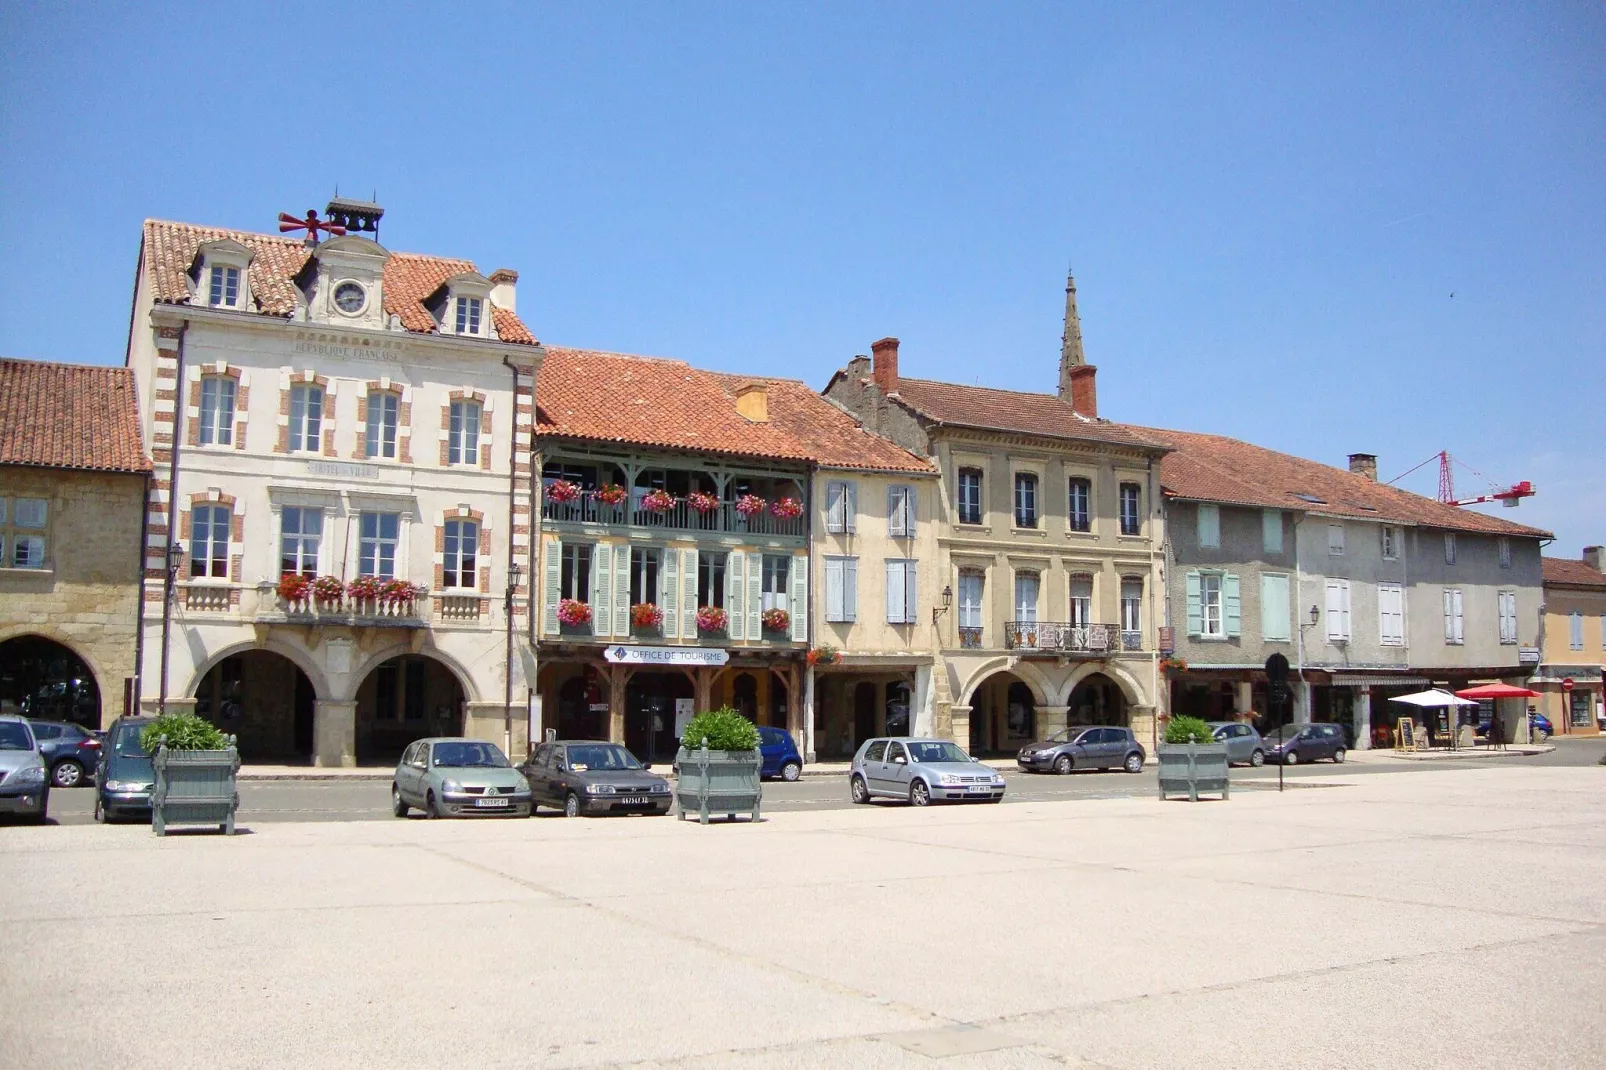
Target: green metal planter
x,y
1192,768
195,787
718,782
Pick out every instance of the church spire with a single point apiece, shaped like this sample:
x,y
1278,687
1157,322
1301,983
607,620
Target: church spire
x,y
1071,355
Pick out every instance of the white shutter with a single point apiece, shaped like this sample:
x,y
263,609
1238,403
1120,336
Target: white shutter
x,y
735,595
688,594
835,506
850,507
755,597
800,598
1449,617
602,591
895,525
911,591
895,595
553,568
1335,610
1343,591
621,588
1390,615
669,591
850,588
833,589
911,508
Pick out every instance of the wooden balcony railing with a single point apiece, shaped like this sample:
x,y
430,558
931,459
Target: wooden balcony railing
x,y
679,517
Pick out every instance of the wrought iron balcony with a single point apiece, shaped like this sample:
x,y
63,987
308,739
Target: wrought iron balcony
x,y
1059,637
679,517
970,638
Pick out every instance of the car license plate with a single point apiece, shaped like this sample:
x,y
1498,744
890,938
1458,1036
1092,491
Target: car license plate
x,y
632,800
491,803
981,789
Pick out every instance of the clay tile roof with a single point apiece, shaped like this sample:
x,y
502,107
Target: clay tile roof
x,y
170,250
69,416
668,404
1215,468
1572,573
1009,410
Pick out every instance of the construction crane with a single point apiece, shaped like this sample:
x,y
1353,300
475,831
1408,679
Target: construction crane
x,y
1506,496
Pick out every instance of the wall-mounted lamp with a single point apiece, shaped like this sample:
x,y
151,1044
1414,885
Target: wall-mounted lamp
x,y
175,558
1315,617
947,602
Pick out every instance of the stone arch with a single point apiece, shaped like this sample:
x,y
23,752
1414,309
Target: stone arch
x,y
1131,690
297,656
465,679
52,636
1028,674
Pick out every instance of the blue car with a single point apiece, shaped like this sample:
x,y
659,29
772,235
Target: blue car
x,y
781,757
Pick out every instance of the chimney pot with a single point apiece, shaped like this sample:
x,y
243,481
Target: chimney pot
x,y
1592,558
1364,464
884,364
504,288
1084,390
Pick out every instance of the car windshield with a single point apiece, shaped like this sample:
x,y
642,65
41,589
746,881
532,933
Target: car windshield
x,y
600,758
465,755
15,736
128,742
937,752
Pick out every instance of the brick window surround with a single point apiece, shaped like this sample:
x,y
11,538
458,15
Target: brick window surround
x,y
485,426
404,419
463,512
192,407
214,496
289,379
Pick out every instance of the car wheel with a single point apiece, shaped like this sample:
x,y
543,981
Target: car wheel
x,y
1258,758
791,771
571,805
1062,764
858,789
1338,756
397,807
919,794
1134,763
1291,758
69,774
430,809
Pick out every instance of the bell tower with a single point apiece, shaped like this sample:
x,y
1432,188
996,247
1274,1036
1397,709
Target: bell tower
x,y
1076,374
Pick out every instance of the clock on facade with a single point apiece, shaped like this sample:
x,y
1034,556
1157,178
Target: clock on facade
x,y
350,297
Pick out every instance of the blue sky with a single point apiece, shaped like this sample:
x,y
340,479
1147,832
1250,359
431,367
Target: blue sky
x,y
1268,208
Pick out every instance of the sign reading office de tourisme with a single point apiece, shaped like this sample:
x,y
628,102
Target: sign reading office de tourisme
x,y
665,655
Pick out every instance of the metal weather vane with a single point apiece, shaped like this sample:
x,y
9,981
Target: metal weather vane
x,y
312,225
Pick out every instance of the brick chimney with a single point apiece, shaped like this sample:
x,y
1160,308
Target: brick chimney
x,y
1364,464
1084,393
884,364
1592,558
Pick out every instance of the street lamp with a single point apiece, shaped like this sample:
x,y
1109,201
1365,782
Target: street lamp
x,y
175,560
947,601
514,575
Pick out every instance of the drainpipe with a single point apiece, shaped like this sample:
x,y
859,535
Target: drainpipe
x,y
1299,613
139,609
1155,581
172,514
512,498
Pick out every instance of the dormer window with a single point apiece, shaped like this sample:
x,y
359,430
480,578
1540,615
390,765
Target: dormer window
x,y
223,288
469,311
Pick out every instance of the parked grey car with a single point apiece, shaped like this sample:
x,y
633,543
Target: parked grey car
x,y
24,785
126,775
460,777
1305,743
592,777
1243,742
1084,747
920,770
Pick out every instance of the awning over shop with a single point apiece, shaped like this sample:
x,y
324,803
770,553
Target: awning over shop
x,y
1348,680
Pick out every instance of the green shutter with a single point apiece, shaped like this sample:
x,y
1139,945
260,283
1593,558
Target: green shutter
x,y
621,588
551,588
1195,605
602,590
800,597
1231,605
688,594
669,591
735,595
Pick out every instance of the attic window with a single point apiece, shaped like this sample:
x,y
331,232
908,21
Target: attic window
x,y
223,287
218,277
469,311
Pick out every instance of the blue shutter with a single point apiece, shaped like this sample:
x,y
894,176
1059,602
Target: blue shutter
x,y
1230,602
850,588
850,507
1195,605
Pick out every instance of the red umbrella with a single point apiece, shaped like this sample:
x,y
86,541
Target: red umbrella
x,y
1497,691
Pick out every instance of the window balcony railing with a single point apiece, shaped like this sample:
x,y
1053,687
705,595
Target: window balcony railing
x,y
678,517
209,597
1058,637
413,611
970,638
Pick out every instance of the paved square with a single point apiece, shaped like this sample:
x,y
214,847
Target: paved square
x,y
1453,919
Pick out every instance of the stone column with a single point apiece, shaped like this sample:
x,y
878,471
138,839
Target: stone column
x,y
1145,729
1302,701
960,718
1245,700
794,703
1363,718
920,714
1051,719
807,740
334,734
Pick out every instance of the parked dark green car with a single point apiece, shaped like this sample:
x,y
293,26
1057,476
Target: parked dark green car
x,y
590,777
458,777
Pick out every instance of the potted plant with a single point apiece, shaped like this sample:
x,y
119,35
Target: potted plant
x,y
646,617
399,593
823,655
573,613
712,620
293,589
787,508
776,620
365,592
1173,664
1191,760
702,501
718,765
611,494
195,773
750,505
327,591
657,501
561,490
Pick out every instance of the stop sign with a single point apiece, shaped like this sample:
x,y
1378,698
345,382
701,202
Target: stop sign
x,y
1567,683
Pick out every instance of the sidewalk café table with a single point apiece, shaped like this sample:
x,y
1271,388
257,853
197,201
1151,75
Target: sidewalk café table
x,y
1499,691
1434,698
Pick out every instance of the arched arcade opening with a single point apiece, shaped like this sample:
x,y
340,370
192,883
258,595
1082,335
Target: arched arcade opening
x,y
405,698
46,680
264,700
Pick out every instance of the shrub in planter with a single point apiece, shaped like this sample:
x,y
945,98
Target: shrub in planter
x,y
195,773
1191,760
646,616
718,766
725,729
776,620
1188,730
182,731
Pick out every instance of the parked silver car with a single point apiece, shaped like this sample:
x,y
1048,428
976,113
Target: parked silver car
x,y
1084,747
920,770
24,786
458,776
1243,742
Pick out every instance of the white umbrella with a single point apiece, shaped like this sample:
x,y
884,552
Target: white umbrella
x,y
1434,698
